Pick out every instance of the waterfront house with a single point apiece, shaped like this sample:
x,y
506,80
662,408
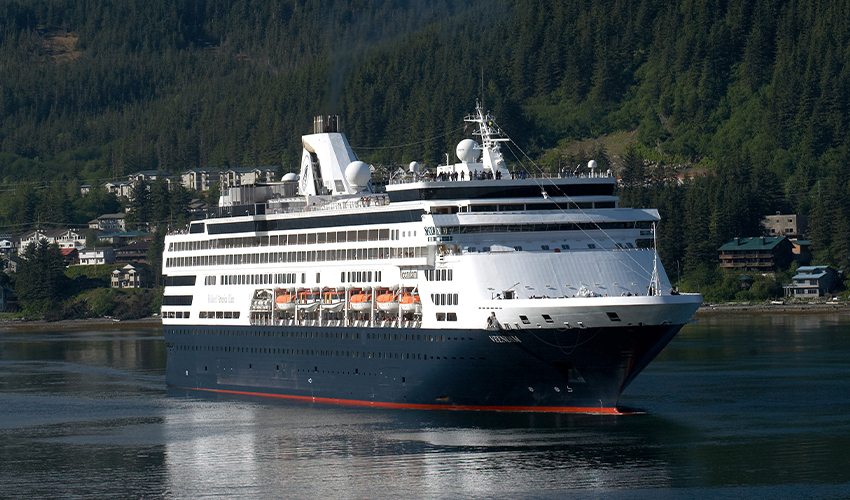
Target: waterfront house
x,y
812,281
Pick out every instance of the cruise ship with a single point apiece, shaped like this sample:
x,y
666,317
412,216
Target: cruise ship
x,y
465,287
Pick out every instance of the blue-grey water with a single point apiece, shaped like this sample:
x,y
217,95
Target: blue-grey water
x,y
749,406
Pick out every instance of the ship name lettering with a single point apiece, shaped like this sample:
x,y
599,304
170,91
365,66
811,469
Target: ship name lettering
x,y
219,299
505,339
410,275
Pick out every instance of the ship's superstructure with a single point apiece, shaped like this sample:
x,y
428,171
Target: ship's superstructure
x,y
470,289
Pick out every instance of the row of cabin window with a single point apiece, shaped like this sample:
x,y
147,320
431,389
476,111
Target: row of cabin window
x,y
302,256
178,314
291,239
291,278
219,314
260,279
320,335
537,228
308,352
444,299
438,274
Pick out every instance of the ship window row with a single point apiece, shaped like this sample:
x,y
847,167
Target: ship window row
x,y
417,337
310,352
438,275
446,316
297,257
359,235
359,276
219,314
520,207
444,299
176,314
262,279
533,228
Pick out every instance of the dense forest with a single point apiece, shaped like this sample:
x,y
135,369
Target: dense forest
x,y
748,98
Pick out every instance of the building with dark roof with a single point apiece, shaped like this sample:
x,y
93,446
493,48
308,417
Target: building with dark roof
x,y
762,253
812,281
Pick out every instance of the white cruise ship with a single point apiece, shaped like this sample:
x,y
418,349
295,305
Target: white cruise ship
x,y
471,288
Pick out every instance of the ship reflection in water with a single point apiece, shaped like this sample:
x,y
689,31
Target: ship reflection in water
x,y
321,451
750,407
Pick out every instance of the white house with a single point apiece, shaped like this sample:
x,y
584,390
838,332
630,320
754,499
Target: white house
x,y
97,256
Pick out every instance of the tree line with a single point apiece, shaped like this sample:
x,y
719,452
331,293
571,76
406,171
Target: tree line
x,y
751,95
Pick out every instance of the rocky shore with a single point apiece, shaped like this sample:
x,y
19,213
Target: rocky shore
x,y
766,308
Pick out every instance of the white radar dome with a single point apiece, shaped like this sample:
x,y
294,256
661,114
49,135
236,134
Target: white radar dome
x,y
414,166
291,176
357,174
467,151
591,164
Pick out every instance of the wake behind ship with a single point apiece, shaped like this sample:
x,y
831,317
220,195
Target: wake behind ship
x,y
469,288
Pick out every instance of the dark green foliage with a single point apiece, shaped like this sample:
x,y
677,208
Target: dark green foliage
x,y
121,304
753,92
41,283
154,256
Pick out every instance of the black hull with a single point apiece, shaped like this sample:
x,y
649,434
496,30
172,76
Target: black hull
x,y
574,370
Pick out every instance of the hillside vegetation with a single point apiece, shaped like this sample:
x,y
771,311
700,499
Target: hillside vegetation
x,y
751,95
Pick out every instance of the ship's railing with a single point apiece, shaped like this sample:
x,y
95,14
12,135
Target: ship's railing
x,y
377,200
514,176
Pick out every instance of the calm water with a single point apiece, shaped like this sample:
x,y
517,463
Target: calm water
x,y
735,407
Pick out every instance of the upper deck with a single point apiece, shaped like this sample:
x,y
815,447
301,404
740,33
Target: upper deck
x,y
543,187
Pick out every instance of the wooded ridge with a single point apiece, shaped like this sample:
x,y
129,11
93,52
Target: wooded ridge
x,y
749,95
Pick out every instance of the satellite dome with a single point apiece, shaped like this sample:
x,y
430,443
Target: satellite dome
x,y
414,166
291,176
467,151
591,164
357,174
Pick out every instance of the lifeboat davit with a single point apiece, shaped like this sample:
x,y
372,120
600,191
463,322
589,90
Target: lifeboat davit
x,y
332,300
285,301
360,301
308,301
410,303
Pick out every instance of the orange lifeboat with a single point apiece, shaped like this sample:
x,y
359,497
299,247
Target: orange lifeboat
x,y
360,301
387,300
285,301
410,302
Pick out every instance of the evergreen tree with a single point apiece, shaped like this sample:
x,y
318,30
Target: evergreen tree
x,y
41,282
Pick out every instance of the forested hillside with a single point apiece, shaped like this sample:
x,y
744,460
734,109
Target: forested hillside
x,y
752,95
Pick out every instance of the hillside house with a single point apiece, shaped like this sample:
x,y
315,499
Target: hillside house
x,y
762,253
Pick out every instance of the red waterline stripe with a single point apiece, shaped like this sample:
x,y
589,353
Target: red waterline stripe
x,y
411,406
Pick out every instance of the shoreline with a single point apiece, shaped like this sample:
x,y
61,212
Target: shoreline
x,y
816,308
78,324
